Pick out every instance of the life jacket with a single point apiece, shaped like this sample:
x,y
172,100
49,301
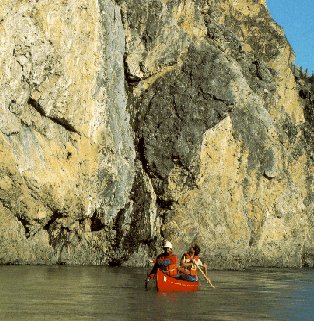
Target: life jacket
x,y
170,269
188,259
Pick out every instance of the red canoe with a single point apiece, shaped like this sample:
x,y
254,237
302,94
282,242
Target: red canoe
x,y
167,283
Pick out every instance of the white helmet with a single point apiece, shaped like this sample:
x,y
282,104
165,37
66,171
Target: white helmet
x,y
168,244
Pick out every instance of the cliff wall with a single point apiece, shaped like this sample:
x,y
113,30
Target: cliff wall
x,y
124,123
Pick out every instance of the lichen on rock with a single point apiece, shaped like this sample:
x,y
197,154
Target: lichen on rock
x,y
124,123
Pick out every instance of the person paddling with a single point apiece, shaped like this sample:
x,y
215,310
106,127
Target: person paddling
x,y
166,261
189,263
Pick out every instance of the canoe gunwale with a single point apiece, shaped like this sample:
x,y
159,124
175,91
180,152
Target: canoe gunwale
x,y
167,283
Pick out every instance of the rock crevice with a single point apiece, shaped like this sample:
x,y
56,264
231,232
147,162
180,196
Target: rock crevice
x,y
124,123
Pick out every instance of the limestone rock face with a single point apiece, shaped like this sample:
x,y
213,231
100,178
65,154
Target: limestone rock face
x,y
67,151
124,123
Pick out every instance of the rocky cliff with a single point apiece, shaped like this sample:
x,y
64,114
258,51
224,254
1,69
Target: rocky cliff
x,y
125,122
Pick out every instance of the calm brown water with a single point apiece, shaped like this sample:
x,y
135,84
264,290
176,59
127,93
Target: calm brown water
x,y
47,293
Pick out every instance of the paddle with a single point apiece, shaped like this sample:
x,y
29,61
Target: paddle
x,y
147,279
205,276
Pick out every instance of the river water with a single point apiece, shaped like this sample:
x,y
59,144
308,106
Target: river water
x,y
46,293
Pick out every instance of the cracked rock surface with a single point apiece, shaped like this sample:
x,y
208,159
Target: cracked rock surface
x,y
124,123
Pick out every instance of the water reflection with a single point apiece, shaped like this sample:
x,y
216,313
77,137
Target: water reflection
x,y
117,294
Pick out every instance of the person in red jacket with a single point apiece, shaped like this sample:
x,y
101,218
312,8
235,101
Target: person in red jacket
x,y
189,262
166,261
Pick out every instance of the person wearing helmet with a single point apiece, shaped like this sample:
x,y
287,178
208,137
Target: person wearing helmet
x,y
166,261
189,262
